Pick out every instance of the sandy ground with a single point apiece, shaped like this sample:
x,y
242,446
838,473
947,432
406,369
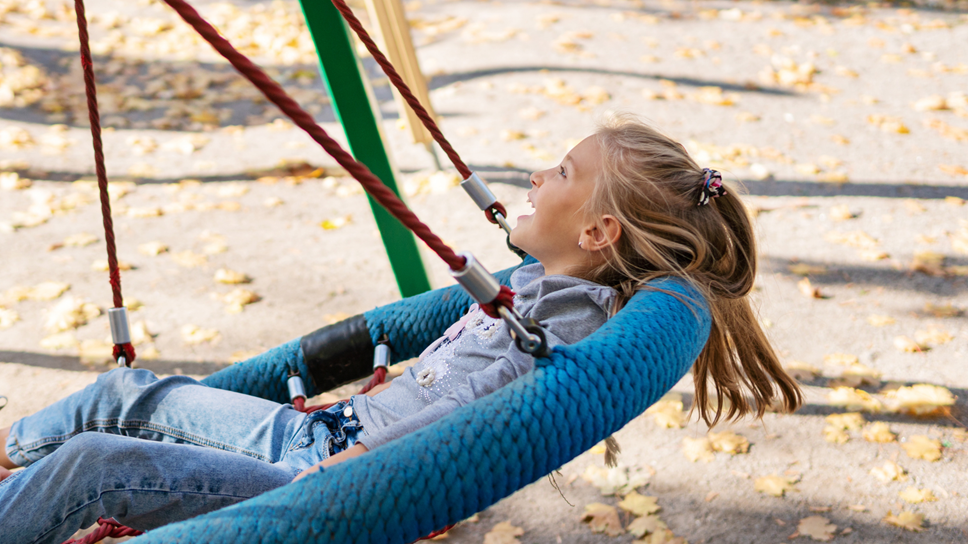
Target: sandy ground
x,y
815,114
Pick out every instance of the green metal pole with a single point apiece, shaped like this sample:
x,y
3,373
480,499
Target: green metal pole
x,y
356,109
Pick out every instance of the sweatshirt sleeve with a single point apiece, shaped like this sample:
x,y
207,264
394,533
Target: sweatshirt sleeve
x,y
560,312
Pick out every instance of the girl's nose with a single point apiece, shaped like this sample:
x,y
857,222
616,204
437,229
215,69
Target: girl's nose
x,y
535,179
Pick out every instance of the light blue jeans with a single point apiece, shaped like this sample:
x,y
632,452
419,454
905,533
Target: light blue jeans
x,y
149,452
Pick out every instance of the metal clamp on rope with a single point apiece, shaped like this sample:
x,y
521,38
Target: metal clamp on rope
x,y
296,386
120,334
481,194
381,356
484,288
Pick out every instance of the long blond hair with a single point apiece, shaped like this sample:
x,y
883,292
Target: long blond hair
x,y
652,186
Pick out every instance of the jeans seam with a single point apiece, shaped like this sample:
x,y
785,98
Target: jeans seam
x,y
144,425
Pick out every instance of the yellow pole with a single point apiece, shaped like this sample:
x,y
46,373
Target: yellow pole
x,y
393,35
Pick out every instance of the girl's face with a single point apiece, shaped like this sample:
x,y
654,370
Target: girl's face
x,y
551,234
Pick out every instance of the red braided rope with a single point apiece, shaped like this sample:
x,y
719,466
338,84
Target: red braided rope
x,y
380,192
90,88
108,529
401,86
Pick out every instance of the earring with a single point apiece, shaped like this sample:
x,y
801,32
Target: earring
x,y
579,243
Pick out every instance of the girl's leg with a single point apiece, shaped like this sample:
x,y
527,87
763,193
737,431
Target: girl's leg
x,y
177,409
141,484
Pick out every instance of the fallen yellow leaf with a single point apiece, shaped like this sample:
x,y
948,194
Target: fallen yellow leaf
x,y
639,505
879,432
905,344
889,472
646,525
697,449
729,442
603,518
922,447
921,399
668,412
817,528
193,334
906,520
853,399
774,485
850,421
224,275
914,495
881,320
503,533
152,249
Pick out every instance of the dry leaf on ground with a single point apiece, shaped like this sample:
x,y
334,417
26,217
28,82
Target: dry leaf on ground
x,y
152,248
817,528
48,290
853,399
835,435
921,399
616,480
193,334
237,299
93,352
63,340
224,275
729,442
668,412
914,495
933,336
8,318
881,320
907,345
697,449
922,447
941,310
803,269
905,520
808,290
879,432
774,485
81,239
503,533
889,472
843,359
70,313
850,421
639,505
189,259
603,518
646,525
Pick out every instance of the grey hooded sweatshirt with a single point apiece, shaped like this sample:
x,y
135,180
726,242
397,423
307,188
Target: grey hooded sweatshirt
x,y
477,356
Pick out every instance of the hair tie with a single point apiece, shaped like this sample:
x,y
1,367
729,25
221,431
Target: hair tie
x,y
712,186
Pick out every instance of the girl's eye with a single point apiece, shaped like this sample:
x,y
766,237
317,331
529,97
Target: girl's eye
x,y
561,170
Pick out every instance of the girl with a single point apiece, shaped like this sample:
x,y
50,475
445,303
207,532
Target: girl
x,y
625,206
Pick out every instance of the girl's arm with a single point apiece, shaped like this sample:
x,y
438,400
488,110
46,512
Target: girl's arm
x,y
357,450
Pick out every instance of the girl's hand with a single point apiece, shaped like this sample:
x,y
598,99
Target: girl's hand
x,y
4,474
355,451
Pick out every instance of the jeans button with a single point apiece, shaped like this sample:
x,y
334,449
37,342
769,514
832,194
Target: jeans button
x,y
348,412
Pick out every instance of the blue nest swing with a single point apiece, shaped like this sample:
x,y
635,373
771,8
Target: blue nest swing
x,y
465,462
480,453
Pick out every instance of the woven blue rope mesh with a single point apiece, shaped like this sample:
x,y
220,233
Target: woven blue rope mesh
x,y
264,375
484,451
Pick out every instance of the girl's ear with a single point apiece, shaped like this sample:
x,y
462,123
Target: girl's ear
x,y
597,237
